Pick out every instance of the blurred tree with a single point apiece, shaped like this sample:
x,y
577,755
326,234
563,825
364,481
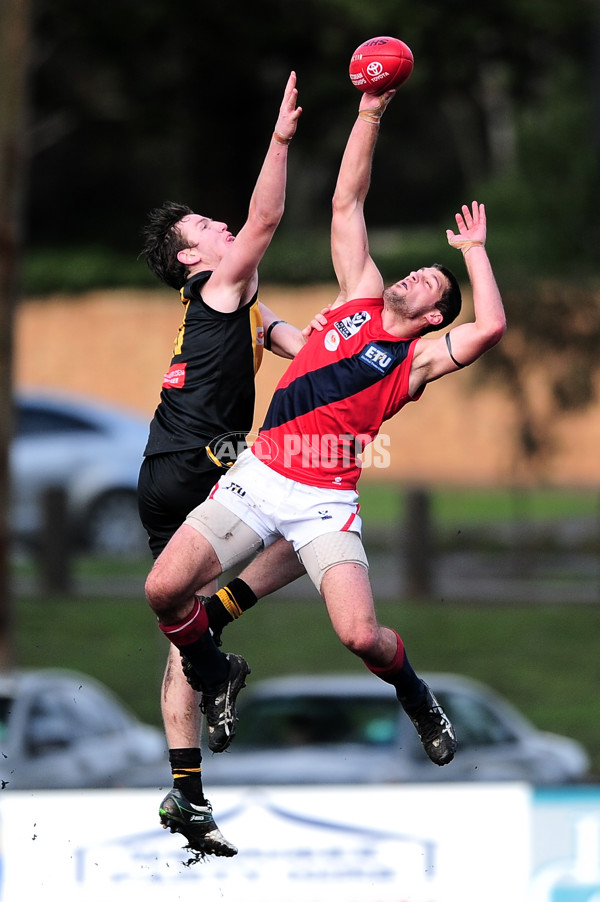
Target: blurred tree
x,y
135,103
14,21
547,364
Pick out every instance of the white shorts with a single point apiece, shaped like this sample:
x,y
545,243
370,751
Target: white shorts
x,y
273,505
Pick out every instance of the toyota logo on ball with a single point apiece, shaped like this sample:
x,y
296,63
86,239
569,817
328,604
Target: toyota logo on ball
x,y
374,69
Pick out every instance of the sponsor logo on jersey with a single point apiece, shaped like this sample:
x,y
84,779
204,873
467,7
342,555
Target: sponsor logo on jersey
x,y
175,376
376,357
352,324
235,488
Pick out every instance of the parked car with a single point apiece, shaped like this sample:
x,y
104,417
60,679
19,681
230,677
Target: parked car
x,y
93,452
351,729
60,729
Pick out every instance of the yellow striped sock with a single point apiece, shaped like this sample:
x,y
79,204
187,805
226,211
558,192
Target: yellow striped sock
x,y
180,773
229,603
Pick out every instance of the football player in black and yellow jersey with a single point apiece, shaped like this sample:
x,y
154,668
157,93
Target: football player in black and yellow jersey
x,y
204,414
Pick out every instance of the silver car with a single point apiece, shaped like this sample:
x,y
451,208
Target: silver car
x,y
60,729
93,453
351,729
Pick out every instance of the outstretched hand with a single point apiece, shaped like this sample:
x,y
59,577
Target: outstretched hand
x,y
472,228
373,106
289,113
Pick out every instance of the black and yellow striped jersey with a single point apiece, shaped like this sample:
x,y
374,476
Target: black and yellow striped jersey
x,y
207,396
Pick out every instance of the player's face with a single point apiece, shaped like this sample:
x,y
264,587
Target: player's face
x,y
425,284
210,236
418,292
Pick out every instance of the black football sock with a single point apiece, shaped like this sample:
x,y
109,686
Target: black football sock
x,y
193,638
410,688
186,767
228,604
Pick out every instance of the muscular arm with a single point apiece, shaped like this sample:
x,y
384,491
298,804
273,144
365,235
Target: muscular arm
x,y
235,279
355,270
469,340
286,340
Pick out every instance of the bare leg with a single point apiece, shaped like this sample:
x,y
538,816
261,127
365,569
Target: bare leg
x,y
346,590
179,705
188,561
272,569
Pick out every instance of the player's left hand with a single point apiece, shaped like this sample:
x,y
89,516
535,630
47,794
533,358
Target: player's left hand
x,y
471,226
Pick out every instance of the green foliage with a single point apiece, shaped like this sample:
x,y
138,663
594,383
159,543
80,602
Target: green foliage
x,y
551,194
78,269
124,118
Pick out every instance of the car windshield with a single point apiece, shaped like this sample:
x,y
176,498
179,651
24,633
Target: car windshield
x,y
317,720
475,721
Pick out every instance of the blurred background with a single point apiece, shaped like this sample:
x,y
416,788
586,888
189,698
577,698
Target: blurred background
x,y
484,529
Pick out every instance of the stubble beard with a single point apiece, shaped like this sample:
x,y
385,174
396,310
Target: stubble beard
x,y
395,300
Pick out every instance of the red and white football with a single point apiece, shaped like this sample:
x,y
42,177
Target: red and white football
x,y
380,64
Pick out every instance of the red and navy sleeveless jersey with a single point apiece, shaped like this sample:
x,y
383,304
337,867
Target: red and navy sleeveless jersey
x,y
330,404
208,392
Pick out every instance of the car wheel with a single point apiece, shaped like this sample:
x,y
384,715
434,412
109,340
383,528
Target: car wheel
x,y
114,527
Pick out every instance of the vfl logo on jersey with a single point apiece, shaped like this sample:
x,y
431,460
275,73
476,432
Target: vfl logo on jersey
x,y
175,376
352,324
376,357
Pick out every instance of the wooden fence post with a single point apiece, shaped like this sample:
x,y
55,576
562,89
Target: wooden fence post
x,y
418,544
54,550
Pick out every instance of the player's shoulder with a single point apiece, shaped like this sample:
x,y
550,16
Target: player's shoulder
x,y
192,290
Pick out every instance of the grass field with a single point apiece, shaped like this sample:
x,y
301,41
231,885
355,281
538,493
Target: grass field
x,y
543,657
473,507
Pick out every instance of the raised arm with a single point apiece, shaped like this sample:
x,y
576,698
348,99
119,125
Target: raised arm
x,y
235,279
436,357
355,270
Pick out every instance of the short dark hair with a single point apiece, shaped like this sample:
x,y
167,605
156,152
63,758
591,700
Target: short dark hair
x,y
163,241
450,302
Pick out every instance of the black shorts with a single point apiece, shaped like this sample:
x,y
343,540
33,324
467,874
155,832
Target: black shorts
x,y
170,486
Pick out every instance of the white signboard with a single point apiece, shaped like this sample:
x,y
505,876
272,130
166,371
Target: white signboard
x,y
461,843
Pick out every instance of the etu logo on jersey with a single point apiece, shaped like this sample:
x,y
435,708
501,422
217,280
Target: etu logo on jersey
x,y
376,357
